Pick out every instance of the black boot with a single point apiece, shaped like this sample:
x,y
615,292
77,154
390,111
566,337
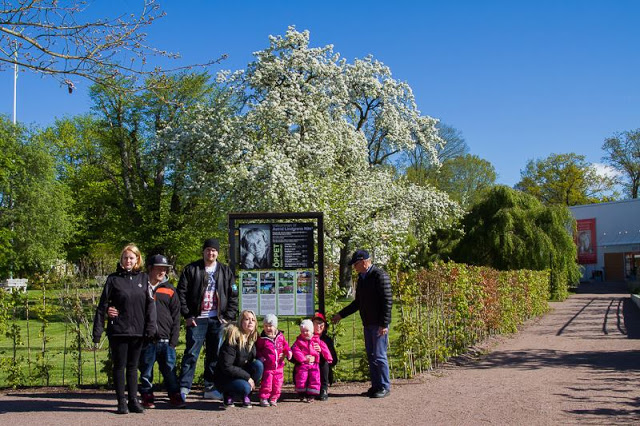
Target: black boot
x,y
135,406
324,395
122,406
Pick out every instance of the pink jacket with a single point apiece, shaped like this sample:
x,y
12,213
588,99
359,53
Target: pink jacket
x,y
303,347
268,351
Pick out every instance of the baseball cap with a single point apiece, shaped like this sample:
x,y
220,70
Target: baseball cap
x,y
320,316
158,260
359,255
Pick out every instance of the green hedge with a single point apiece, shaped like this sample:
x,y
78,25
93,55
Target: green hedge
x,y
438,313
446,309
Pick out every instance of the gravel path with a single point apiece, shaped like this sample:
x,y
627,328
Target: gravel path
x,y
579,364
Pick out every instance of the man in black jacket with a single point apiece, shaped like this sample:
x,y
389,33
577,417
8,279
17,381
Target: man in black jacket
x,y
374,301
209,299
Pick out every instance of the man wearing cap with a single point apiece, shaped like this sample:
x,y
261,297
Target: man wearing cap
x,y
209,299
373,300
162,348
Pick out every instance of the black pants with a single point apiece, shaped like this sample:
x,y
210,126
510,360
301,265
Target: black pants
x,y
125,353
324,374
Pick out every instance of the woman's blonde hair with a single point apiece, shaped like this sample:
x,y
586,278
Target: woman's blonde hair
x,y
236,335
135,250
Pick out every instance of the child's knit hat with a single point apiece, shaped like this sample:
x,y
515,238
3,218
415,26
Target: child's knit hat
x,y
271,319
306,324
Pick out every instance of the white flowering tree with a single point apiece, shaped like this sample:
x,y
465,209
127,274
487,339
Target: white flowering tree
x,y
317,134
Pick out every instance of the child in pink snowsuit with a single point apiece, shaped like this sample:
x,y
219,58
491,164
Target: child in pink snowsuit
x,y
306,352
271,348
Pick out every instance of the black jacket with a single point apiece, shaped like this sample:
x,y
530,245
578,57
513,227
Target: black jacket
x,y
193,283
373,299
128,292
332,348
232,364
168,312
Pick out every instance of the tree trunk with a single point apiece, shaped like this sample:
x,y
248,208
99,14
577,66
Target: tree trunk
x,y
345,269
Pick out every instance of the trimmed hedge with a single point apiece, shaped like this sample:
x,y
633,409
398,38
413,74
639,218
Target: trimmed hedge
x,y
450,307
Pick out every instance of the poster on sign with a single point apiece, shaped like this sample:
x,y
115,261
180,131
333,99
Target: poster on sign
x,y
255,246
586,241
249,293
286,293
278,259
304,293
292,245
268,300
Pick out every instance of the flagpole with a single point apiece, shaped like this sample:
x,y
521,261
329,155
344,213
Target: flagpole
x,y
15,80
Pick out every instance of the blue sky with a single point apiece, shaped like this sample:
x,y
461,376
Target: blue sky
x,y
519,79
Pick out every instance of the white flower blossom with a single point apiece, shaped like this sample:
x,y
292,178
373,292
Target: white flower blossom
x,y
316,134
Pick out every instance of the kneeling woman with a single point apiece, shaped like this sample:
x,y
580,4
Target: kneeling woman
x,y
238,371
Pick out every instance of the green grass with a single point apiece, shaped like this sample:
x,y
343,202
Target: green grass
x,y
349,344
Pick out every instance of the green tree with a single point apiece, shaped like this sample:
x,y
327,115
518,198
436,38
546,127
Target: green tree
x,y
81,165
508,229
566,179
465,178
35,222
422,164
132,184
623,154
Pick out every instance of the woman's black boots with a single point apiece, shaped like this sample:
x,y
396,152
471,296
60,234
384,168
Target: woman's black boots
x,y
135,406
122,406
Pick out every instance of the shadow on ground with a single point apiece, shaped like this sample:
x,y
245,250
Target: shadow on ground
x,y
602,288
542,358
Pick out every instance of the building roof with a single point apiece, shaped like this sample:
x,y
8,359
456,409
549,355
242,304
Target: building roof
x,y
619,238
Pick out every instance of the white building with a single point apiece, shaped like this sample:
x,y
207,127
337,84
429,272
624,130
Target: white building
x,y
609,239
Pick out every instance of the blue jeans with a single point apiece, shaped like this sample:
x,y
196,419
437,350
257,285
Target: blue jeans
x,y
208,331
376,347
240,388
165,355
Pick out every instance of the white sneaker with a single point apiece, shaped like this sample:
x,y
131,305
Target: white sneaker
x,y
212,394
183,394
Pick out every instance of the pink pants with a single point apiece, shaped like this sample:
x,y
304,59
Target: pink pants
x,y
307,379
271,385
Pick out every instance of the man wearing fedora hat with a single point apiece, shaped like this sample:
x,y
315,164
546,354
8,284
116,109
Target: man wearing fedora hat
x,y
209,300
373,300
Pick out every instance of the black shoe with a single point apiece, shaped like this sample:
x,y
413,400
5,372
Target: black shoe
x,y
370,392
134,406
381,393
122,407
324,395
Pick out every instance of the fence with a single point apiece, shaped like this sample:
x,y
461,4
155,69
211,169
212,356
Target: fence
x,y
438,313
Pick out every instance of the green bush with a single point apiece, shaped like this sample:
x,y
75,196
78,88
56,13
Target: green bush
x,y
450,307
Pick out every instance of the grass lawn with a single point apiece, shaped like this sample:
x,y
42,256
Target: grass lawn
x,y
349,344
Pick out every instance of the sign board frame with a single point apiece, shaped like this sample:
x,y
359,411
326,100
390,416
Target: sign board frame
x,y
289,242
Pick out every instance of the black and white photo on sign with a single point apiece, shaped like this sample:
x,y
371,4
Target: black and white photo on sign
x,y
255,246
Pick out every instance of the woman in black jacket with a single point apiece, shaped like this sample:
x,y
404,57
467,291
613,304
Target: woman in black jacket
x,y
127,302
238,372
